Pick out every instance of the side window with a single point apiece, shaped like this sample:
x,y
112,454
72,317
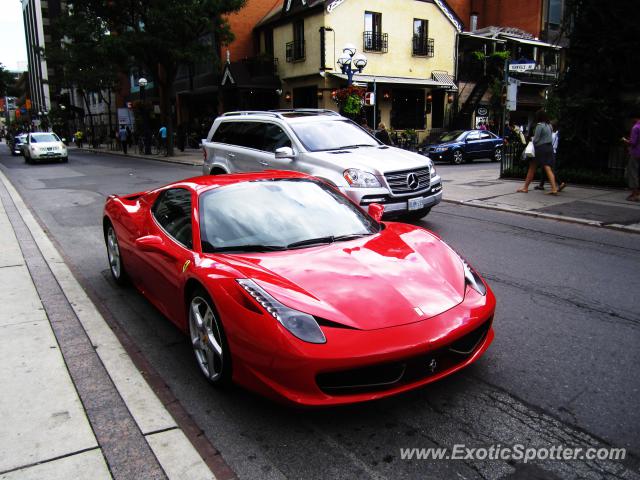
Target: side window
x,y
223,133
172,210
485,136
251,135
274,138
473,136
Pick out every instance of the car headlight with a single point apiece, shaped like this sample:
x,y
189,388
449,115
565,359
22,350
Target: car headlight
x,y
358,178
473,279
300,324
432,170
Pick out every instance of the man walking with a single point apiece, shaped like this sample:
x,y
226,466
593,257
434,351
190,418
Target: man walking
x,y
122,135
163,139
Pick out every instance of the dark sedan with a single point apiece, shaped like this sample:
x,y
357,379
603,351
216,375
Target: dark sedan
x,y
16,144
460,146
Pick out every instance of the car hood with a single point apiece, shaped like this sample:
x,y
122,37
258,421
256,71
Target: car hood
x,y
373,159
402,275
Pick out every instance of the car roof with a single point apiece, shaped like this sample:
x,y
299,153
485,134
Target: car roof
x,y
293,115
204,183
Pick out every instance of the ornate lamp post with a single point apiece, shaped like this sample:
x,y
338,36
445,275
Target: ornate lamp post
x,y
142,83
351,62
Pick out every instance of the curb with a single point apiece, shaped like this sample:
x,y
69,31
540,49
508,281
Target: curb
x,y
174,451
548,216
157,158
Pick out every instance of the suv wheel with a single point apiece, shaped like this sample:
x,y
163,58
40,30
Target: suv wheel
x,y
458,157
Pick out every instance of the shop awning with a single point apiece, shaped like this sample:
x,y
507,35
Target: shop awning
x,y
445,78
418,82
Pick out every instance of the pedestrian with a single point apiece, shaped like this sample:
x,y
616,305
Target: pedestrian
x,y
79,136
383,134
363,123
162,134
123,136
482,126
633,167
554,144
542,140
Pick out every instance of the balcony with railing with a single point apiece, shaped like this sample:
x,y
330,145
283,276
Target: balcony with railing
x,y
295,51
422,46
375,42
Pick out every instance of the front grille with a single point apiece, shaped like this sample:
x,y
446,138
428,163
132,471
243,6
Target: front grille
x,y
398,181
384,376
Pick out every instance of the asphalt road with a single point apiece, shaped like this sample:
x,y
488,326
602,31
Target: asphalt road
x,y
563,369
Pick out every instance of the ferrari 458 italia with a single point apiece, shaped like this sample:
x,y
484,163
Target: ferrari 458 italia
x,y
287,288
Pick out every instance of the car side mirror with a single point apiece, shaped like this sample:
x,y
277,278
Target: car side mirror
x,y
285,152
375,210
150,244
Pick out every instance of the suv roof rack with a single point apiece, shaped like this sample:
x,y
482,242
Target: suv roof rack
x,y
309,110
252,112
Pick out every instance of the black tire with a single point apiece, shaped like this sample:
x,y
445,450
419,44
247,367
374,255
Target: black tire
x,y
116,267
416,214
64,160
27,159
201,338
497,155
458,157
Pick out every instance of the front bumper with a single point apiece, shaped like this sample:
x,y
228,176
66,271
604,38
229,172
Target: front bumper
x,y
54,154
396,204
303,374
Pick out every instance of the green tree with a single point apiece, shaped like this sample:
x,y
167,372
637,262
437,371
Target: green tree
x,y
85,55
162,35
601,83
7,81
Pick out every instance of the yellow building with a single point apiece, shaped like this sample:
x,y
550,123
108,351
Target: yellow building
x,y
410,46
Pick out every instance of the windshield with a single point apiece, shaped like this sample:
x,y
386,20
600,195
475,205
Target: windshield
x,y
278,215
44,137
451,136
332,135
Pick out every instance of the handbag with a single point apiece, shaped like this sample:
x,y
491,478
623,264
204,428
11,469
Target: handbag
x,y
529,151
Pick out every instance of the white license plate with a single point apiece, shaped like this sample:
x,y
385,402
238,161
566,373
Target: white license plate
x,y
416,203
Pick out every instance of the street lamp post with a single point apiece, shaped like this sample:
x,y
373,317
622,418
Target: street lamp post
x,y
142,82
351,62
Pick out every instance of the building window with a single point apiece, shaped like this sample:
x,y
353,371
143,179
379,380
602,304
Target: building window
x,y
408,109
422,44
268,42
295,49
374,39
554,13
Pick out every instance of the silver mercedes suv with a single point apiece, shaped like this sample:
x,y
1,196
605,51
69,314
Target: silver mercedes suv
x,y
329,146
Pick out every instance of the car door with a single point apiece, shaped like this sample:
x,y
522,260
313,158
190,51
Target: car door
x,y
166,249
486,142
472,144
274,138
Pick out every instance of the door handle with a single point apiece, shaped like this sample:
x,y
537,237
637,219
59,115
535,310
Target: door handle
x,y
232,155
261,162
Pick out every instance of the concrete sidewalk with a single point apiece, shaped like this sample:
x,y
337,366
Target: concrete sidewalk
x,y
481,186
73,404
190,156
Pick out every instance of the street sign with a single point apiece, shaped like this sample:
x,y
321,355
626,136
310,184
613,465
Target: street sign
x,y
369,98
521,67
512,94
482,111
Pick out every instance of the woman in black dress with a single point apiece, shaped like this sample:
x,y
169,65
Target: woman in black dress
x,y
542,141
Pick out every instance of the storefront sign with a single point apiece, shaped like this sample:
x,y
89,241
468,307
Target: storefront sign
x,y
482,111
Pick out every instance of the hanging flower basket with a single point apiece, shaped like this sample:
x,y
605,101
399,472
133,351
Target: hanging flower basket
x,y
350,100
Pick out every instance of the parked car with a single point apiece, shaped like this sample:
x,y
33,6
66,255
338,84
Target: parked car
x,y
460,146
324,144
41,146
289,289
17,143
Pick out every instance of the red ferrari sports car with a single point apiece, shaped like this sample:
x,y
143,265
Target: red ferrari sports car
x,y
287,288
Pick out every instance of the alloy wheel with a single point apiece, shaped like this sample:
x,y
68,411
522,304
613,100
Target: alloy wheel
x,y
206,338
113,252
457,157
497,156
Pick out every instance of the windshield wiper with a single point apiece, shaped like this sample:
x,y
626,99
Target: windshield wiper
x,y
248,248
357,145
324,240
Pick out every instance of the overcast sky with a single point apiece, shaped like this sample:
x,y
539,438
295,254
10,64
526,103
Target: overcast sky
x,y
13,50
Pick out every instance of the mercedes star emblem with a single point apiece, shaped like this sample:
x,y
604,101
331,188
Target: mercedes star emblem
x,y
412,181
